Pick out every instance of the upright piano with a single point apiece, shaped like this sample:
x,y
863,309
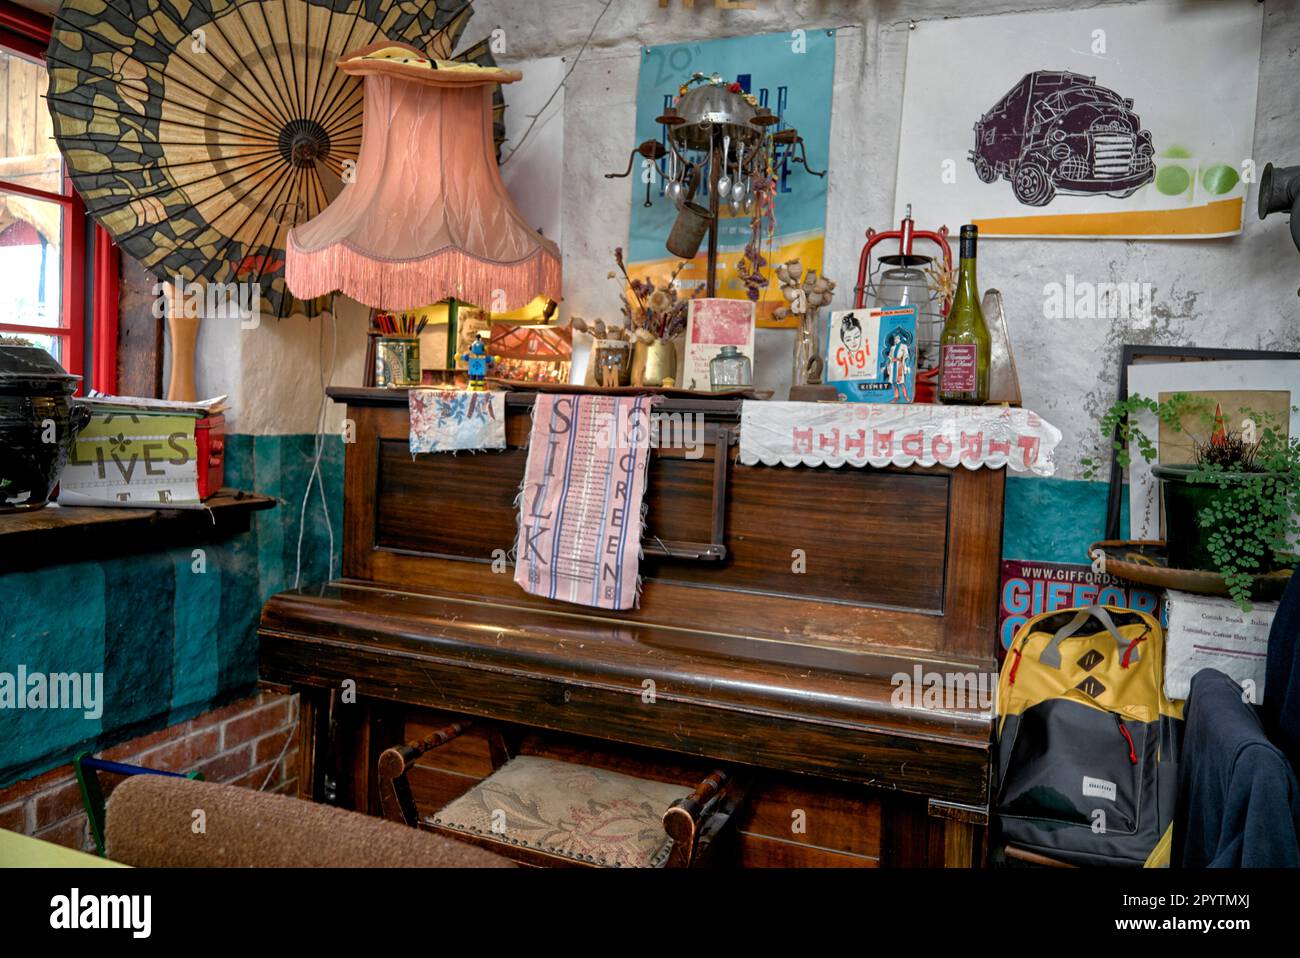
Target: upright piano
x,y
790,621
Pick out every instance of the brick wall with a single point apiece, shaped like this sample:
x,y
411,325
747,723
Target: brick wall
x,y
251,743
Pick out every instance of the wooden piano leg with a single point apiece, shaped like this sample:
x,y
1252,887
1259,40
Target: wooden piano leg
x,y
335,737
962,829
310,741
958,845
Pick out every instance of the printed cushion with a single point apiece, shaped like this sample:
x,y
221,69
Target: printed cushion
x,y
587,814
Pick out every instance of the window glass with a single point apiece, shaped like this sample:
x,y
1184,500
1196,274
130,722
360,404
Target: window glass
x,y
31,228
28,154
31,259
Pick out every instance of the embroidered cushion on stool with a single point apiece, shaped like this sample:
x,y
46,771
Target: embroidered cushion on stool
x,y
587,814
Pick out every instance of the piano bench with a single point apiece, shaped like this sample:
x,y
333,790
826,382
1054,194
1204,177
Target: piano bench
x,y
546,812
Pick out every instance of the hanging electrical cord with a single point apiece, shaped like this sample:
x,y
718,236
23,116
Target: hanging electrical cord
x,y
315,476
559,86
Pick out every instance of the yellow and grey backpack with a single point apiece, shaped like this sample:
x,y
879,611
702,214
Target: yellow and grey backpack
x,y
1087,742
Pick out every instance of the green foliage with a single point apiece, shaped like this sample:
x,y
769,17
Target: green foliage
x,y
1251,525
1120,427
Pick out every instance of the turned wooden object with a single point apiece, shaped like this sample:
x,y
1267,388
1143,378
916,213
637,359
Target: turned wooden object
x,y
184,332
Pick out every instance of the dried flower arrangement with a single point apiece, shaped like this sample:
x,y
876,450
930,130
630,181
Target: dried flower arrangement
x,y
942,281
762,219
659,309
598,329
803,292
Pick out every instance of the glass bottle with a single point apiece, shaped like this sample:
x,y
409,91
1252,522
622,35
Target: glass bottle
x,y
729,369
964,344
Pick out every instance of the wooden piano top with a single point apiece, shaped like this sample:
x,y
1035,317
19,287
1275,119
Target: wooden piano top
x,y
731,697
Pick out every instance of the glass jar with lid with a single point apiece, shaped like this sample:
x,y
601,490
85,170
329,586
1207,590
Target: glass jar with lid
x,y
730,369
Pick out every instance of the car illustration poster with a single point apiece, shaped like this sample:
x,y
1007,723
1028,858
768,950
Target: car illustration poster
x,y
1126,121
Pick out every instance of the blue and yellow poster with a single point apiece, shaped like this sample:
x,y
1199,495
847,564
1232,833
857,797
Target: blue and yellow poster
x,y
789,73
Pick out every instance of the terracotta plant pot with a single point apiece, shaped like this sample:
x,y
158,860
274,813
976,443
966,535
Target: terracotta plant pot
x,y
39,420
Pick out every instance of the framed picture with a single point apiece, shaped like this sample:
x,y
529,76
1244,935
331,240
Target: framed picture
x,y
710,325
1077,124
1225,379
871,354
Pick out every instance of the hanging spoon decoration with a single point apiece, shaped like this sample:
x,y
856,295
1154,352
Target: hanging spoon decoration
x,y
738,188
724,181
675,185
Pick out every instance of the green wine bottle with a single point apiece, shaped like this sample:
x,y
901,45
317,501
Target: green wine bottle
x,y
964,344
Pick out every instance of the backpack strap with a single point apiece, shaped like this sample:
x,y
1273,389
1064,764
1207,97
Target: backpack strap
x,y
1051,654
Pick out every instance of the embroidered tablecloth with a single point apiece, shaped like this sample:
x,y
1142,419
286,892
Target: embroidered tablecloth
x,y
871,434
581,500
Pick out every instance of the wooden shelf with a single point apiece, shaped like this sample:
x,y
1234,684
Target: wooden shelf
x,y
362,396
77,533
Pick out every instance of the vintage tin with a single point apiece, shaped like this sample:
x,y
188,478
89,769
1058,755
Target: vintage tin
x,y
210,442
397,361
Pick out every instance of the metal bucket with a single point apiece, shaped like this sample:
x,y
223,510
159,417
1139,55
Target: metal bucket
x,y
688,231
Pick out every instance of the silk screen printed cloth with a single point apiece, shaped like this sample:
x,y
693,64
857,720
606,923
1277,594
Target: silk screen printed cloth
x,y
580,505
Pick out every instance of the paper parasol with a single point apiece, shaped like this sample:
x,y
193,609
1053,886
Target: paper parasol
x,y
199,133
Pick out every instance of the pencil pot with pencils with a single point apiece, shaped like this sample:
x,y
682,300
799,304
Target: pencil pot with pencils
x,y
397,361
396,348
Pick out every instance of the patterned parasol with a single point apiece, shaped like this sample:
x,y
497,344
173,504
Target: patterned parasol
x,y
198,133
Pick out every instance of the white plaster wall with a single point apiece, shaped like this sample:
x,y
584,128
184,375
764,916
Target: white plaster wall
x,y
1238,292
274,372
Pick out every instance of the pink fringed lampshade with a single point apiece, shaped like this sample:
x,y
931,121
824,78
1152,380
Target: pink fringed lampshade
x,y
426,217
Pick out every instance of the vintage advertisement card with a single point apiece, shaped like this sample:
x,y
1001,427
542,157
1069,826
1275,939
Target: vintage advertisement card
x,y
871,354
710,325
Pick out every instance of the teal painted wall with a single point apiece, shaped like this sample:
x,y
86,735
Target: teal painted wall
x,y
170,641
1055,520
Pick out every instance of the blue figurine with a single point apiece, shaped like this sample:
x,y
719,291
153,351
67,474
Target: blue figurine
x,y
479,362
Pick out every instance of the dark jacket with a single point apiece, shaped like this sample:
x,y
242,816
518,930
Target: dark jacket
x,y
1238,799
1281,703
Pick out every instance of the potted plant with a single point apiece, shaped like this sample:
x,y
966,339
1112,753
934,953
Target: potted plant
x,y
1234,509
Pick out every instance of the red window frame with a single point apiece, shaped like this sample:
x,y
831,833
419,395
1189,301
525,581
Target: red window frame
x,y
27,34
